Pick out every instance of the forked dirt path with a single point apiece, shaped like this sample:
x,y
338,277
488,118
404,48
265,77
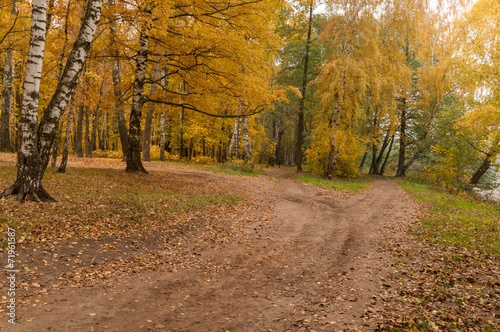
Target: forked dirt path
x,y
316,266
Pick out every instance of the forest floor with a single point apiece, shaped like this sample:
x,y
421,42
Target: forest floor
x,y
269,254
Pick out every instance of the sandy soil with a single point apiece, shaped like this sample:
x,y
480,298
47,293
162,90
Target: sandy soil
x,y
316,265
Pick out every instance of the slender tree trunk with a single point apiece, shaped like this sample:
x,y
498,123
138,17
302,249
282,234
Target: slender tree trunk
x,y
146,146
181,133
12,118
238,140
246,142
79,131
300,124
334,151
64,159
102,135
402,143
67,84
93,135
134,163
55,148
8,82
88,148
26,183
233,140
362,164
382,169
162,135
333,154
482,169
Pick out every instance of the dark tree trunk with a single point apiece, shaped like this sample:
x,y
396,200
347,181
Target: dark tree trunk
x,y
482,169
363,161
134,163
88,148
93,136
79,131
7,94
55,148
64,159
382,169
300,124
402,143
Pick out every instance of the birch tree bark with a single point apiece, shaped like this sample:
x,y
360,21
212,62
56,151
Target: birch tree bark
x,y
134,163
334,152
120,112
6,102
26,183
233,139
35,146
162,136
67,84
246,142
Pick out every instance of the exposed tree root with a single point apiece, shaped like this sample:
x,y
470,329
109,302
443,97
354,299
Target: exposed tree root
x,y
29,194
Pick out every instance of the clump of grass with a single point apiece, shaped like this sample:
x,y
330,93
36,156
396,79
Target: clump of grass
x,y
353,185
458,220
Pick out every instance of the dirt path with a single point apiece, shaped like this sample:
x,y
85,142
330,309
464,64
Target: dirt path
x,y
317,265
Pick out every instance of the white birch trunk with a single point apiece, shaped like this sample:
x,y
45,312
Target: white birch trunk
x,y
28,162
134,163
162,136
246,141
67,83
233,139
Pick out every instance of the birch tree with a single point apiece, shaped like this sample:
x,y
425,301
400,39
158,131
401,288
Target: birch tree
x,y
36,145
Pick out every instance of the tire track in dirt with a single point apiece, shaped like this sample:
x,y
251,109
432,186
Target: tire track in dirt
x,y
315,267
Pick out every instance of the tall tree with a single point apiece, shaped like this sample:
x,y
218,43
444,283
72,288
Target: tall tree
x,y
36,145
299,155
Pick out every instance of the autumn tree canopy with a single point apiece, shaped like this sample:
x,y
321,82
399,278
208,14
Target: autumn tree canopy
x,y
355,86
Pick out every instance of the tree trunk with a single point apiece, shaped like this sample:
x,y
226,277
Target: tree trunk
x,y
88,148
382,169
64,160
103,137
146,146
93,135
333,153
67,84
246,142
233,139
162,139
300,124
134,163
35,146
482,169
7,93
12,119
79,132
362,164
55,148
27,183
238,141
402,143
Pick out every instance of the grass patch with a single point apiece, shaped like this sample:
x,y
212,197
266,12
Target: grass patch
x,y
458,220
95,202
354,185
